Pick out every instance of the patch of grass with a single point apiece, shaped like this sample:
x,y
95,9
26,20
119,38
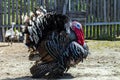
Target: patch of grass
x,y
97,44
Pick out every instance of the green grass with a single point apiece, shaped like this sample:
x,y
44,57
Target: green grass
x,y
97,44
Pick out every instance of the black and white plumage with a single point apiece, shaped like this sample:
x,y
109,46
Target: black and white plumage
x,y
43,26
51,29
65,50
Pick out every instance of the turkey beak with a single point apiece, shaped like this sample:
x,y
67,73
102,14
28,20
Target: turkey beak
x,y
67,30
67,27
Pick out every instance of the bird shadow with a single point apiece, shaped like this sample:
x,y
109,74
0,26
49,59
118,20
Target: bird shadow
x,y
65,76
4,45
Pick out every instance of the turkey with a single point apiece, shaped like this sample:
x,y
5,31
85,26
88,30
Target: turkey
x,y
53,44
11,35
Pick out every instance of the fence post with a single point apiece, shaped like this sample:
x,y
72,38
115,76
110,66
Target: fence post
x,y
115,9
65,7
0,12
105,16
9,12
3,34
1,37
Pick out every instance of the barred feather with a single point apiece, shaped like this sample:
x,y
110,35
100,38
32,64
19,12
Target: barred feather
x,y
42,26
52,68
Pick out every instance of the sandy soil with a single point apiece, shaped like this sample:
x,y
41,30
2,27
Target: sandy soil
x,y
102,64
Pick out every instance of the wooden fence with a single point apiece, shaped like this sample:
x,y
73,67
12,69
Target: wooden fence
x,y
101,17
12,10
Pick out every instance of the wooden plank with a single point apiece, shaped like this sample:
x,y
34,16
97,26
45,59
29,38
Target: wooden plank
x,y
94,31
87,11
35,5
32,3
111,34
77,4
46,4
80,5
51,5
118,10
25,7
107,10
98,10
28,7
55,4
77,12
9,12
105,14
91,10
59,6
65,7
69,5
84,29
38,2
21,11
101,10
85,5
114,30
91,31
111,12
87,27
104,31
108,30
118,30
72,5
100,31
3,34
17,11
79,19
1,21
86,32
9,26
115,13
1,38
42,3
5,13
98,18
13,11
115,8
98,28
3,28
102,23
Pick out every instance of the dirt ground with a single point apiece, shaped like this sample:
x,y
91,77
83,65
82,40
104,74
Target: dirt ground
x,y
102,64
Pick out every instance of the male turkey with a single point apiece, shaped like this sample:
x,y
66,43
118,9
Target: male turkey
x,y
52,43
